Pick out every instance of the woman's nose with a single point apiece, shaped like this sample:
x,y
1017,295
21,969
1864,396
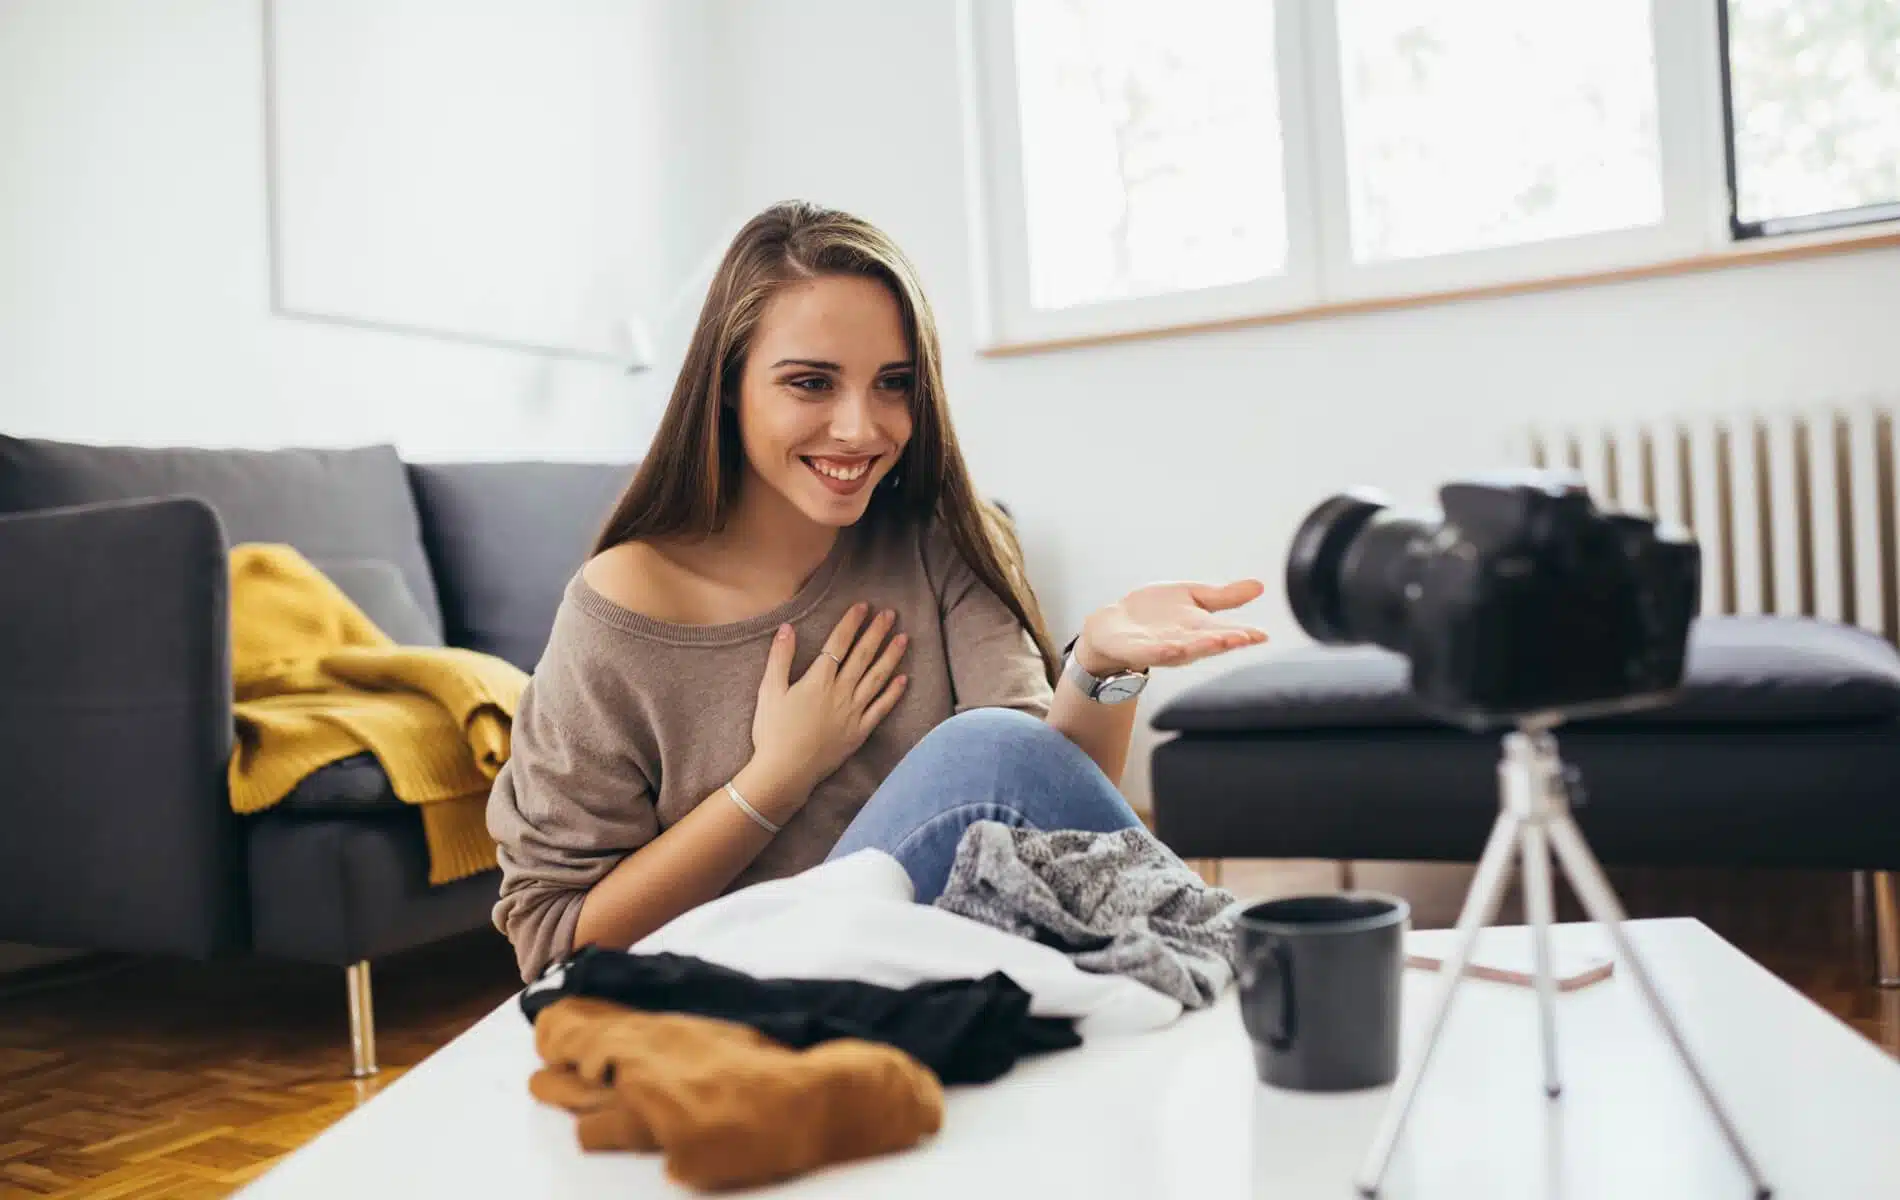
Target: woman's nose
x,y
851,417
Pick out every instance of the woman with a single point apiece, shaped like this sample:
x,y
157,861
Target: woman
x,y
801,633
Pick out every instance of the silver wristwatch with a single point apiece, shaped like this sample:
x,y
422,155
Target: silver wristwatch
x,y
1108,689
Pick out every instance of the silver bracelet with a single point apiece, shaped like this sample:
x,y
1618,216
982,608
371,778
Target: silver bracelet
x,y
749,811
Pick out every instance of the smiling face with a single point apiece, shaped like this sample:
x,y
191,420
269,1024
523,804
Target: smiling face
x,y
825,396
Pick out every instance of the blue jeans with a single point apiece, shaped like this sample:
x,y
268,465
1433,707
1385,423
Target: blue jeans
x,y
987,764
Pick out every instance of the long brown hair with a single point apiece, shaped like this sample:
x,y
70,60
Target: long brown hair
x,y
689,481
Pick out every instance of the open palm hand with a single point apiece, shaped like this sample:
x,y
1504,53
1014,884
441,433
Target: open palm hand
x,y
1167,625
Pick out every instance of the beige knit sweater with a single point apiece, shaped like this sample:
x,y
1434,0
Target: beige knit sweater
x,y
629,722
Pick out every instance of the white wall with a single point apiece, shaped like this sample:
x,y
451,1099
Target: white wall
x,y
133,300
133,237
1197,456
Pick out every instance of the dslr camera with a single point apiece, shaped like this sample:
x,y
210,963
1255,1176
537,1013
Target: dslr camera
x,y
1520,603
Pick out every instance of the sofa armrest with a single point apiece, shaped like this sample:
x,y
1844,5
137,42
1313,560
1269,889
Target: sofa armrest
x,y
115,730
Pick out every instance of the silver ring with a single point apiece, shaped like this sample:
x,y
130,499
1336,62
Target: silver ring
x,y
834,658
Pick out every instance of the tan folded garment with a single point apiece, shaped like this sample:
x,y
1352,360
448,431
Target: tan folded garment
x,y
729,1107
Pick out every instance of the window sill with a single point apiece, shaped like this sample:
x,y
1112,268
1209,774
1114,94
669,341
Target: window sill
x,y
1738,254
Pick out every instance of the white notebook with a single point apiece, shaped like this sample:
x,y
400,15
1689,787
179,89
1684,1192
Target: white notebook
x,y
1504,956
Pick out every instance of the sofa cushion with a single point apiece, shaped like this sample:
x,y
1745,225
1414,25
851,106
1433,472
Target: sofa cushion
x,y
331,504
1741,671
356,784
505,538
378,588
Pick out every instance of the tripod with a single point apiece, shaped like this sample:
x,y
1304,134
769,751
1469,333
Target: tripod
x,y
1535,816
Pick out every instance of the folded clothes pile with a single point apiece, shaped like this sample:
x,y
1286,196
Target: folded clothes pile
x,y
1118,903
816,1019
963,1030
727,1105
742,1081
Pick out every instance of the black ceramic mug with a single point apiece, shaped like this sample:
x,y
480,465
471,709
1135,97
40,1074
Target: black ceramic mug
x,y
1319,989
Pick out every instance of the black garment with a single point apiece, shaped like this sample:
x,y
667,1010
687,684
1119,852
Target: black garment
x,y
964,1030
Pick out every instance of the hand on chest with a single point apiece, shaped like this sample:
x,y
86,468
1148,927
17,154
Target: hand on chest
x,y
727,704
860,628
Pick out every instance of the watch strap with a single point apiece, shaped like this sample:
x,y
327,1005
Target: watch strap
x,y
1090,685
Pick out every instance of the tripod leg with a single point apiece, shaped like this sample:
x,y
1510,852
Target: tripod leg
x,y
1541,907
1600,902
1481,906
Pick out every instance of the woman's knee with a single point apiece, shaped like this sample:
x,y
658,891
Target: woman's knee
x,y
994,727
1036,769
996,736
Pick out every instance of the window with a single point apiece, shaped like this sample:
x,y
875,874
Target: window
x,y
1141,164
1130,112
1436,164
1814,113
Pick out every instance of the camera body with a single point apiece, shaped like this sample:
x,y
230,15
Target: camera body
x,y
1520,602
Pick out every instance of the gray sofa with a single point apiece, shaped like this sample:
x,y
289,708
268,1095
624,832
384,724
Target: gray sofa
x,y
1783,750
115,689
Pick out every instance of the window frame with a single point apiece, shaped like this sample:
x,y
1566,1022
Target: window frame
x,y
1697,225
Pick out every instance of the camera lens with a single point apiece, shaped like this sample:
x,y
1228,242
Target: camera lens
x,y
1312,565
1349,569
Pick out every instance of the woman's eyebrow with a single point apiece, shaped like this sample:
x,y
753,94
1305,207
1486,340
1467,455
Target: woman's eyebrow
x,y
820,364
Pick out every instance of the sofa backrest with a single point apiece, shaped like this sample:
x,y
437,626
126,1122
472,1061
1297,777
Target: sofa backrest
x,y
504,539
347,510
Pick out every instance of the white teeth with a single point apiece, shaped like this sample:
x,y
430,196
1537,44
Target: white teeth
x,y
847,474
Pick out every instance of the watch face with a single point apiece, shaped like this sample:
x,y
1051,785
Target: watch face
x,y
1117,688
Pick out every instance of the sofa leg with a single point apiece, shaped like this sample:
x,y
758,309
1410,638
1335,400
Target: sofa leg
x,y
362,1021
1208,869
1887,927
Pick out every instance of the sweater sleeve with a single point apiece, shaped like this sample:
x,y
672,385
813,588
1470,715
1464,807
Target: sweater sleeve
x,y
993,659
572,800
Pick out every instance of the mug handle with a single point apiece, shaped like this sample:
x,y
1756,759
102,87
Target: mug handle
x,y
1281,1025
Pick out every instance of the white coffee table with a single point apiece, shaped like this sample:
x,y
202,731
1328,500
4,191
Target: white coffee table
x,y
1179,1114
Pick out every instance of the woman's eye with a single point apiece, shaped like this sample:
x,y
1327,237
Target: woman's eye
x,y
810,383
897,383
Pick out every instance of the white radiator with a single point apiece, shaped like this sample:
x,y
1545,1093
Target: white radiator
x,y
1795,511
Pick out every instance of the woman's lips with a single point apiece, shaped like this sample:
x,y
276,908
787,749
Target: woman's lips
x,y
842,476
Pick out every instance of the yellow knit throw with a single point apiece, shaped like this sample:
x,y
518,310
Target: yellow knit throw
x,y
317,681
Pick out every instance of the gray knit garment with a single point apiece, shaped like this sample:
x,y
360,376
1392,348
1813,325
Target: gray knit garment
x,y
1116,903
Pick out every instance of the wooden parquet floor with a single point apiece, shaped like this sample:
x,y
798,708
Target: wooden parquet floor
x,y
157,1080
